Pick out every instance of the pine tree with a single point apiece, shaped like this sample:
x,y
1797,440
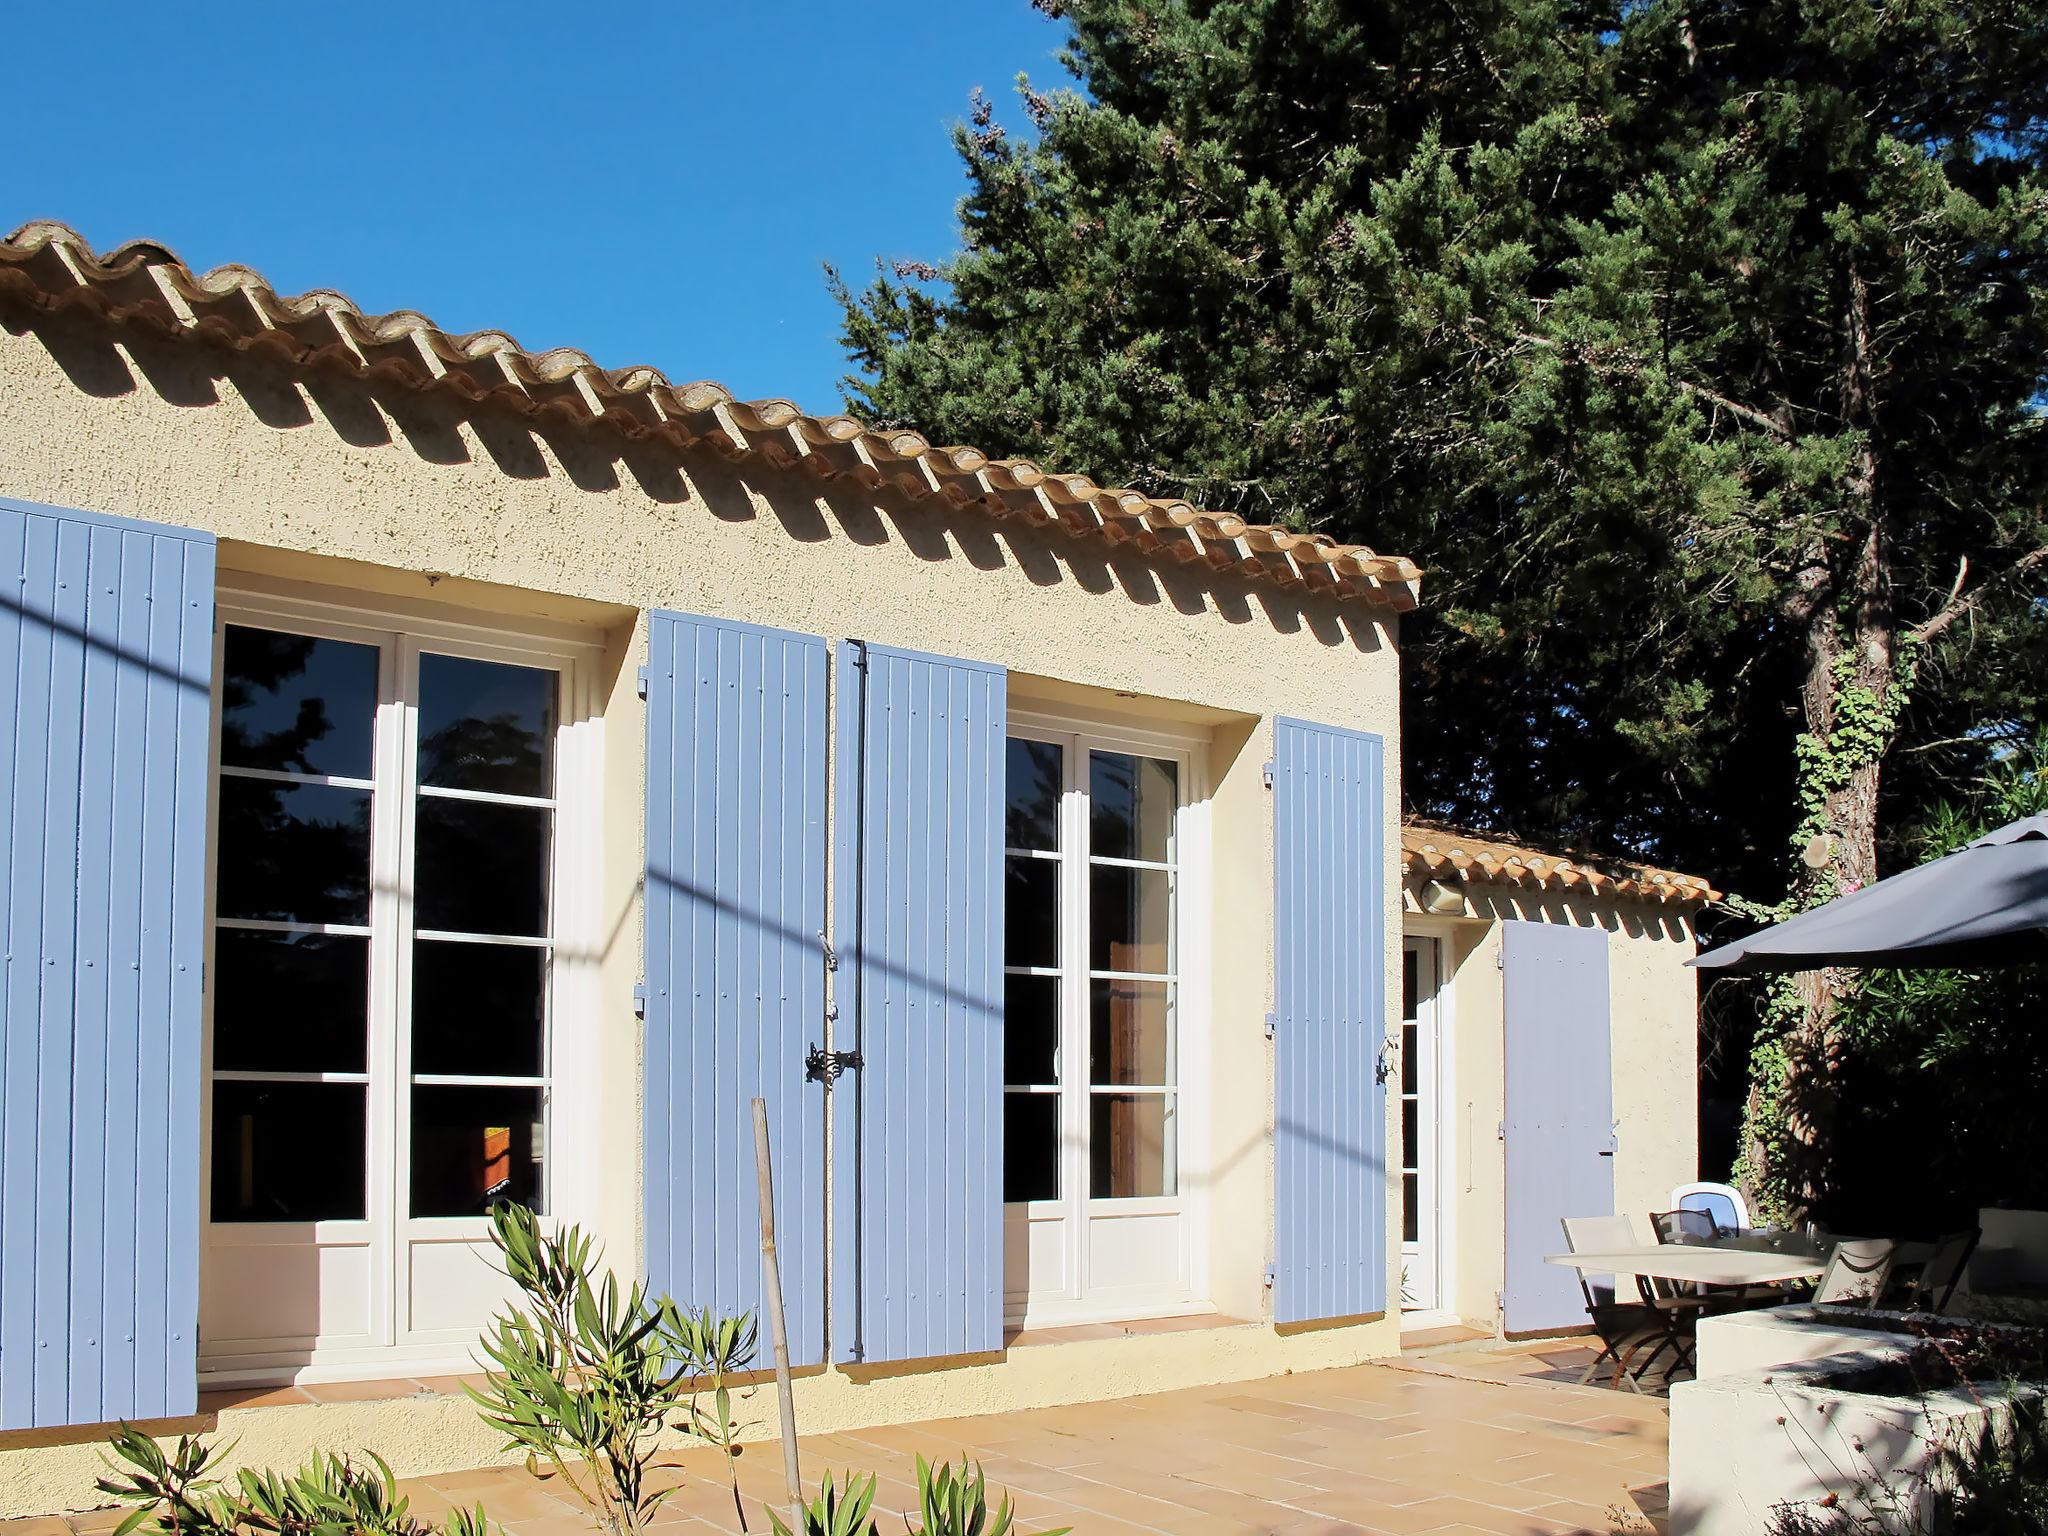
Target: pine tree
x,y
1697,349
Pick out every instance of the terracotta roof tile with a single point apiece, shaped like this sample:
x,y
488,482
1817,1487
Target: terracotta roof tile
x,y
52,266
1432,851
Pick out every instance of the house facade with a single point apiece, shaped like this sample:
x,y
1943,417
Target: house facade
x,y
441,773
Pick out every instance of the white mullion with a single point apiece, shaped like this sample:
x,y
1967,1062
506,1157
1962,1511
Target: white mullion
x,y
287,776
1073,1064
1110,861
268,925
1165,976
392,1045
467,1080
245,1075
490,796
1051,855
503,940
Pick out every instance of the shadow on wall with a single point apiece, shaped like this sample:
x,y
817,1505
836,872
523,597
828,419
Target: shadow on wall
x,y
1637,919
379,412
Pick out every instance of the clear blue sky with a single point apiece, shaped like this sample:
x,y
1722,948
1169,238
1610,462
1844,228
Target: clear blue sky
x,y
656,182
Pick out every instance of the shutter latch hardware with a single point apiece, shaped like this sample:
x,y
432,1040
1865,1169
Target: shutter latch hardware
x,y
1272,1025
823,1066
1266,771
831,954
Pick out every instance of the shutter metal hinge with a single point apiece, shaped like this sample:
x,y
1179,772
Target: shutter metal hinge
x,y
831,954
823,1066
640,681
1266,769
1272,1024
639,999
1500,1131
1271,1275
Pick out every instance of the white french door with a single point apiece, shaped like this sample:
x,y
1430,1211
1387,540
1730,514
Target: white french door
x,y
1422,1225
1096,1217
381,984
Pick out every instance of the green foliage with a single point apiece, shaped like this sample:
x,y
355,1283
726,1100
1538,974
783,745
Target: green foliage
x,y
1558,297
176,1493
835,1511
956,1504
589,1375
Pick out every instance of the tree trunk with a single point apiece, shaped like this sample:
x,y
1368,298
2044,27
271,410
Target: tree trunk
x,y
1850,606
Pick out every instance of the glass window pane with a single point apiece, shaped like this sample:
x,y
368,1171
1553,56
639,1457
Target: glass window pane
x,y
294,852
1131,802
288,1152
1031,1029
1031,1146
477,1009
475,1147
1031,913
290,1002
487,726
1411,1209
481,868
1411,1141
1411,985
1130,1146
1411,1065
1036,779
296,704
1129,913
1131,1033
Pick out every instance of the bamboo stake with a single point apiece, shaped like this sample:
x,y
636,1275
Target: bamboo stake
x,y
771,1273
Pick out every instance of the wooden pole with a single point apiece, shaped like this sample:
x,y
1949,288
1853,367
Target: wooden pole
x,y
771,1274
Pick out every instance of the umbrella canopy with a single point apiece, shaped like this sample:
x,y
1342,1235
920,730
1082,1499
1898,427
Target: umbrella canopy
x,y
1983,905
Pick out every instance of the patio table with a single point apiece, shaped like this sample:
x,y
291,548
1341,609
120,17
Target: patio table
x,y
1700,1263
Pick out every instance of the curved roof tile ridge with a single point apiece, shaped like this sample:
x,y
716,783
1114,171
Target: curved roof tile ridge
x,y
1433,849
54,266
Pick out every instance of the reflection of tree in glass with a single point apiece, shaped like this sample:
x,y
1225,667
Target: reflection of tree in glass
x,y
1033,794
294,852
260,663
499,754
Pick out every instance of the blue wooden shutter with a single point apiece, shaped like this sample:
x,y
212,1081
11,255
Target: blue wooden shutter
x,y
1331,1191
1560,1117
736,739
106,661
919,1189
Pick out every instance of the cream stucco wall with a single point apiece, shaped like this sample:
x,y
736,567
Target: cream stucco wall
x,y
1653,1032
332,481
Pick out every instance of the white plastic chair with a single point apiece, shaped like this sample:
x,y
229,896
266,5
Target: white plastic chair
x,y
1723,1202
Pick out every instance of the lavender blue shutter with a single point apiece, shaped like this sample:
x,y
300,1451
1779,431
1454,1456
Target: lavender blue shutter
x,y
106,657
918,1263
1330,1187
1560,1116
736,740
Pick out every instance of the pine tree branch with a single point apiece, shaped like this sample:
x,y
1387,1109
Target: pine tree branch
x,y
1960,606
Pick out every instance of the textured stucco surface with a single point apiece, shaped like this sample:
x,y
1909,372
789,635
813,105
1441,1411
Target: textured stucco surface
x,y
332,482
1654,1052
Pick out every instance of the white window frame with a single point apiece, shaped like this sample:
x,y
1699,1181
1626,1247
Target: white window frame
x,y
402,629
1077,734
1452,1149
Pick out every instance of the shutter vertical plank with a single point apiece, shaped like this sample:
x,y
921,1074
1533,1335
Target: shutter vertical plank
x,y
105,705
1559,1110
736,743
1331,1190
920,927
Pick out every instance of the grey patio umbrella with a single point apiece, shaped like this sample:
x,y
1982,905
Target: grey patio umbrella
x,y
1983,905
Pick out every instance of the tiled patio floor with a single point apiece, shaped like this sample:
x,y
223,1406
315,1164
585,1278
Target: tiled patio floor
x,y
1467,1441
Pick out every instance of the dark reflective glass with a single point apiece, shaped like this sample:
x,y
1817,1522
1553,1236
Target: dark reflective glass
x,y
1130,1146
294,852
1129,912
1411,1145
1031,913
1036,779
1130,1034
1131,802
1031,1029
475,1147
1410,1071
1411,1209
295,704
487,726
288,1152
1031,1146
1411,985
481,868
290,1002
477,1009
